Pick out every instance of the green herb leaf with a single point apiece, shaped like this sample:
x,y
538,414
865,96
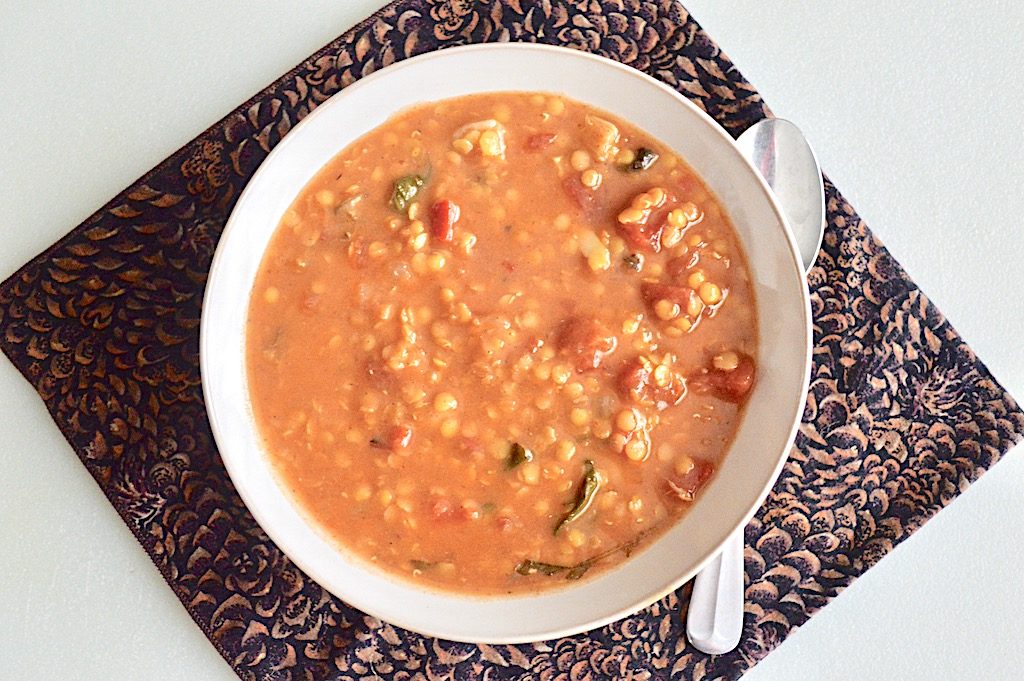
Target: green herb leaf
x,y
574,572
406,188
634,261
585,496
421,564
644,159
488,507
517,454
531,567
578,571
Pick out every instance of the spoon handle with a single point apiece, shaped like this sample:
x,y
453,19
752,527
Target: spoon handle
x,y
783,157
714,622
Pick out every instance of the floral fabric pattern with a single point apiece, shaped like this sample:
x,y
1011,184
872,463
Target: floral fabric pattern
x,y
900,419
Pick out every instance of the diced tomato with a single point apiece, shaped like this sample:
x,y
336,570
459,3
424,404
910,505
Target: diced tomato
x,y
678,268
683,296
732,386
394,438
443,216
540,141
652,292
636,382
399,437
633,378
586,341
644,236
686,486
583,196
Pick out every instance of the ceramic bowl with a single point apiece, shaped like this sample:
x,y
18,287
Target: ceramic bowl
x,y
763,439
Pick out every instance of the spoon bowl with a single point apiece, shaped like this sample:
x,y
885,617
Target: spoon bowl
x,y
784,158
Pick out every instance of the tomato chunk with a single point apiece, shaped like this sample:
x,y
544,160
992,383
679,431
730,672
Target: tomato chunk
x,y
637,381
399,436
443,216
678,268
733,385
683,296
652,292
587,342
583,197
540,141
645,236
684,487
394,438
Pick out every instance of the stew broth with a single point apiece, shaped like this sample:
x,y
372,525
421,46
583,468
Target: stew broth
x,y
500,341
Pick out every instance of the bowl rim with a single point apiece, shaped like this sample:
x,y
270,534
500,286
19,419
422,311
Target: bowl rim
x,y
354,598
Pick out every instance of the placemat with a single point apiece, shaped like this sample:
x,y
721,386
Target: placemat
x,y
901,415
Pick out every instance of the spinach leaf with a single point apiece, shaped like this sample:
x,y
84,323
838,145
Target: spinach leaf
x,y
585,496
517,455
577,571
406,188
644,159
530,567
634,261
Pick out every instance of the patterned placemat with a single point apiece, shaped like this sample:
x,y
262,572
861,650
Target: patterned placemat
x,y
901,415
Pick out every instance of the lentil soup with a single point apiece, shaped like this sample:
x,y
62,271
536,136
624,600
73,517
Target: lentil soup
x,y
499,342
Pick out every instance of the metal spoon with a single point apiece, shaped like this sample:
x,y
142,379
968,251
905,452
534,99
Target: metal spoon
x,y
784,158
781,154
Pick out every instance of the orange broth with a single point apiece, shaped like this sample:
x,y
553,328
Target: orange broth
x,y
499,342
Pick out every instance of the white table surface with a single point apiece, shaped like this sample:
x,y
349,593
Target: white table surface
x,y
915,115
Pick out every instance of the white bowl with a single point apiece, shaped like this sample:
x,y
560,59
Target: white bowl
x,y
761,444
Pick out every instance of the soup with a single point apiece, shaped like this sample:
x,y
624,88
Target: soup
x,y
500,342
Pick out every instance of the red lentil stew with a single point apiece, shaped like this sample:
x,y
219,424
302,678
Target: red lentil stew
x,y
499,342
